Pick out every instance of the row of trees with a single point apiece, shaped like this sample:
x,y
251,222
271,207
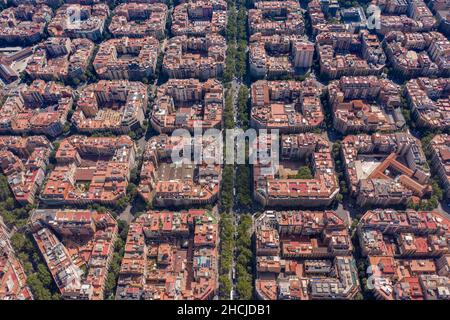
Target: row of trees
x,y
230,34
13,214
132,192
244,260
39,278
226,194
235,66
362,266
243,106
339,168
114,268
336,149
243,186
226,255
327,110
228,112
406,112
243,175
236,35
438,193
242,45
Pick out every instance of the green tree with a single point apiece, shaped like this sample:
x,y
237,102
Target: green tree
x,y
37,288
225,286
226,194
44,275
244,289
18,241
304,172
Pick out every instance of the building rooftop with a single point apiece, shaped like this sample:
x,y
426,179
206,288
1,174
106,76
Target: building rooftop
x,y
24,23
138,20
72,241
402,15
127,58
344,53
414,54
185,103
199,17
39,108
13,280
277,56
276,17
170,256
275,186
60,59
24,162
304,255
286,105
195,57
429,102
90,25
385,169
90,169
407,252
178,184
365,104
117,106
440,159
